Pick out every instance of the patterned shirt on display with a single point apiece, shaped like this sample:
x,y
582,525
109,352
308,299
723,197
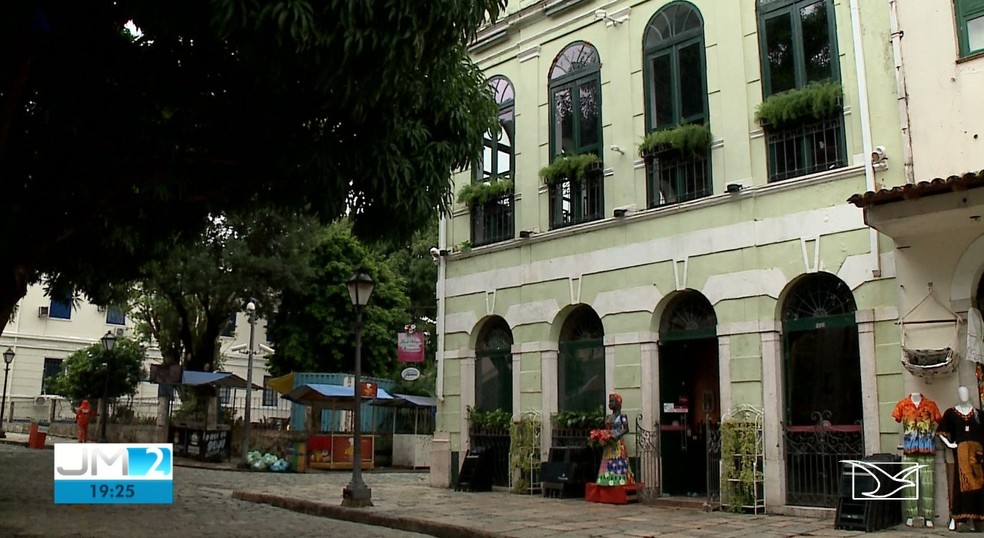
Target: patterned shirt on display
x,y
918,425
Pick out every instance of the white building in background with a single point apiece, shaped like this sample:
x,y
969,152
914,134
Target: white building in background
x,y
43,332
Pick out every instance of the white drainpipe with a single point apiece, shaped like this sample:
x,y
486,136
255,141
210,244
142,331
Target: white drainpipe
x,y
865,113
442,236
901,90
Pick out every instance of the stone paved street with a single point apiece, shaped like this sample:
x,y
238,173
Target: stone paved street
x,y
205,506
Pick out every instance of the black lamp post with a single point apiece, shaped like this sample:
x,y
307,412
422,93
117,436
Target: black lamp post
x,y
356,494
251,310
8,357
108,343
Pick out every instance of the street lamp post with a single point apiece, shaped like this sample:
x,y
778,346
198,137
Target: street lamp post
x,y
356,494
251,310
108,343
8,357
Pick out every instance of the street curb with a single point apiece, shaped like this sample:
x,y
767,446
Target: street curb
x,y
23,444
367,517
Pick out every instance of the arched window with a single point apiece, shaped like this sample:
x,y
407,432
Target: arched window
x,y
676,94
493,367
492,219
689,315
581,363
575,129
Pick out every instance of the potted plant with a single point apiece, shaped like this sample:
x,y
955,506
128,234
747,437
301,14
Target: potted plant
x,y
691,140
479,193
575,168
813,102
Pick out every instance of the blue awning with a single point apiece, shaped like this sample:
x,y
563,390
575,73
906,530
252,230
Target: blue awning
x,y
216,379
408,400
324,394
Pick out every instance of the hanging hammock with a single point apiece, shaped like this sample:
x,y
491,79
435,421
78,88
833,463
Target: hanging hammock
x,y
930,362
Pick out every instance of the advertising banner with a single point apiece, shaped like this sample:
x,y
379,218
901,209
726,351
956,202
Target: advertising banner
x,y
410,347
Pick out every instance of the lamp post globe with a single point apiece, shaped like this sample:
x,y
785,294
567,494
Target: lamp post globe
x,y
247,419
8,357
356,494
108,343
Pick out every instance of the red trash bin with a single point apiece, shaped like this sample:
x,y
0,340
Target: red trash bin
x,y
37,435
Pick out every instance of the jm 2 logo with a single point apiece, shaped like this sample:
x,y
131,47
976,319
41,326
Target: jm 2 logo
x,y
883,480
113,461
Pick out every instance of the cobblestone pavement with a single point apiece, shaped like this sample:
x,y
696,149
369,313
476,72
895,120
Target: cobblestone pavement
x,y
203,507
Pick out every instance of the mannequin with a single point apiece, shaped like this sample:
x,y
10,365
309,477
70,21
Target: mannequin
x,y
962,430
919,416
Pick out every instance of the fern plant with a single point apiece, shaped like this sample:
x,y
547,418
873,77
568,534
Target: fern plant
x,y
479,193
569,167
739,463
690,139
815,101
524,452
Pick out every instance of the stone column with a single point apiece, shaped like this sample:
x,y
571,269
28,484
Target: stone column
x,y
772,406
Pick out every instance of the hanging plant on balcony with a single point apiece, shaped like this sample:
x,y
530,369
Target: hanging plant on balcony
x,y
498,419
574,168
480,193
692,140
815,101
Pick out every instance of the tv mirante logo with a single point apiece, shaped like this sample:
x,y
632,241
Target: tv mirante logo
x,y
883,481
121,473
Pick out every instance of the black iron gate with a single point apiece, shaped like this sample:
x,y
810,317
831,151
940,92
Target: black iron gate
x,y
496,441
648,476
813,456
712,440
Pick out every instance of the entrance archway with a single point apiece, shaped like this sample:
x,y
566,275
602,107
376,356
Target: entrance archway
x,y
821,389
581,362
689,391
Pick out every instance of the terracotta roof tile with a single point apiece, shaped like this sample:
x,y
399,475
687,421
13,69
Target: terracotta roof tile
x,y
908,191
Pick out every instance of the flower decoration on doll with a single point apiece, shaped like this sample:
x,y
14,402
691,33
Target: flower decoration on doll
x,y
601,438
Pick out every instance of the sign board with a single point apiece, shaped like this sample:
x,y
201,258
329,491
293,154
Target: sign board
x,y
674,408
410,374
113,473
410,347
368,390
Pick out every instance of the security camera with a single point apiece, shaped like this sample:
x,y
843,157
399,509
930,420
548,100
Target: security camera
x,y
878,155
435,253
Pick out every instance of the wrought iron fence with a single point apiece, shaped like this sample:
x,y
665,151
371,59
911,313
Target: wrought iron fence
x,y
496,441
712,439
573,202
807,148
673,177
813,456
492,221
647,456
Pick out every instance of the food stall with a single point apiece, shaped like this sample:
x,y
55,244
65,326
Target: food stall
x,y
333,450
205,438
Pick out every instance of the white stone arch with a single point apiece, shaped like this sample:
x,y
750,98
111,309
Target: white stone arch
x,y
966,276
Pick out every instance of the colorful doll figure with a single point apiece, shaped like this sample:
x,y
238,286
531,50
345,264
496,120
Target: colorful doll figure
x,y
614,469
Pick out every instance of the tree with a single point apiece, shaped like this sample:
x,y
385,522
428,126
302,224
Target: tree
x,y
312,329
90,371
113,144
186,301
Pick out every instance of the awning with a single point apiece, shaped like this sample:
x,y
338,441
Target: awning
x,y
216,379
408,400
328,395
282,384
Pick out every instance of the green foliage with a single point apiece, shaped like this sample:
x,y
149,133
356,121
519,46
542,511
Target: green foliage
x,y
186,301
580,420
740,469
690,139
84,375
479,193
568,167
219,106
815,101
499,419
524,451
312,328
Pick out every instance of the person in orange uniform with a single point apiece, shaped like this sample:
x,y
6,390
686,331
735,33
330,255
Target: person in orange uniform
x,y
82,414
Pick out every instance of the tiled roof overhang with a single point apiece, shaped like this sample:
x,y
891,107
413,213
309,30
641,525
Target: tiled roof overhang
x,y
918,190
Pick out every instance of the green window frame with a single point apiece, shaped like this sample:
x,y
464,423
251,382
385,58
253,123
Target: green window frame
x,y
576,129
498,149
970,26
493,367
673,43
581,362
797,43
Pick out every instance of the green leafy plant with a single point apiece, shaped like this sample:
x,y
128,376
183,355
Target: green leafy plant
x,y
465,246
740,463
816,101
569,167
498,419
690,139
524,452
479,193
580,420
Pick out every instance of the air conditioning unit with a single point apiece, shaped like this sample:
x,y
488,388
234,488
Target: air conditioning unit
x,y
100,309
120,331
43,311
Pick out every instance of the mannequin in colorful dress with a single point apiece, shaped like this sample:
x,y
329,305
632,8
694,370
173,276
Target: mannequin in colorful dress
x,y
919,417
962,430
614,469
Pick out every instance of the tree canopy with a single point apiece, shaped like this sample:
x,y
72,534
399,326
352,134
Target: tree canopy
x,y
91,370
115,144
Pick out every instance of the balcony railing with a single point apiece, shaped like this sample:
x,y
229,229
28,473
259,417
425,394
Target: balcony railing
x,y
806,148
492,221
573,202
672,177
